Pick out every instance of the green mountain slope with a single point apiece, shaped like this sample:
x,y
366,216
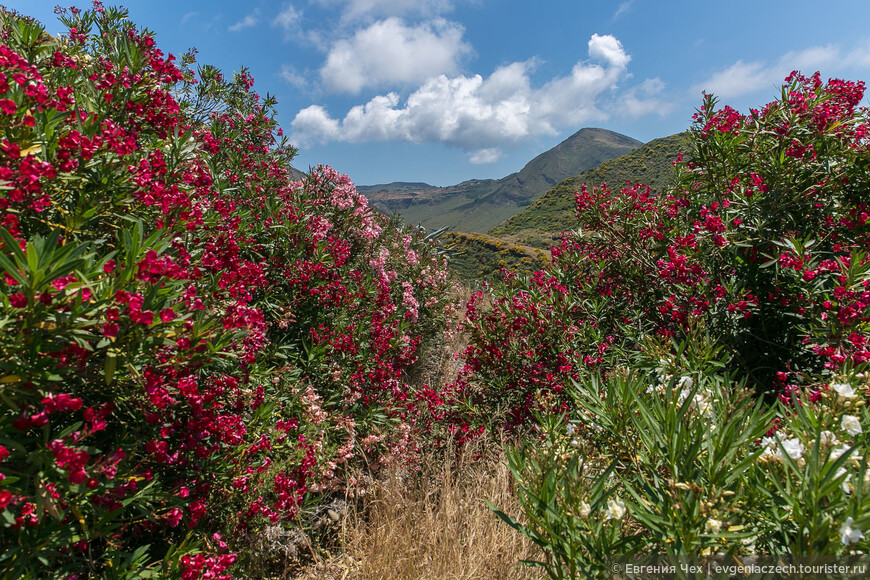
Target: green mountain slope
x,y
478,257
583,150
539,224
480,204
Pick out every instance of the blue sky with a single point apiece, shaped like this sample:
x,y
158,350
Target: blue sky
x,y
446,90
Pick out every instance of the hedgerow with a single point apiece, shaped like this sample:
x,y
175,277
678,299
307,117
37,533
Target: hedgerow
x,y
696,357
196,349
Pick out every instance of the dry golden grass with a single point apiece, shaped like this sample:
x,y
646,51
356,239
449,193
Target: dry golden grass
x,y
435,525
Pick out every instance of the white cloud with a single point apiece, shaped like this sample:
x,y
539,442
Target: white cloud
x,y
644,100
390,52
314,120
247,22
483,156
738,79
213,23
860,56
355,10
742,78
478,114
810,59
608,49
292,77
289,20
624,7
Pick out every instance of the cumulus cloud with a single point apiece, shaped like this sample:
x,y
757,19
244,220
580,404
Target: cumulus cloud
x,y
608,49
315,120
390,52
247,22
742,78
478,114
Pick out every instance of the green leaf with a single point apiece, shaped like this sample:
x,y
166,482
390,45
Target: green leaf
x,y
32,257
10,244
109,367
10,269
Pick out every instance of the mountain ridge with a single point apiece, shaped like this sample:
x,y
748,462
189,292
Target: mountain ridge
x,y
477,205
540,223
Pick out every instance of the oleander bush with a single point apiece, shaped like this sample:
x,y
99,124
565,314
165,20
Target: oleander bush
x,y
705,346
197,350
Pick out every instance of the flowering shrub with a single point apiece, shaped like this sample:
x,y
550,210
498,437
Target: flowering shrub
x,y
766,246
195,345
756,261
673,458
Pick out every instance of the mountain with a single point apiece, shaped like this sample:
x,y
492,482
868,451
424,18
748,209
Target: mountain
x,y
296,174
480,204
540,224
585,149
396,186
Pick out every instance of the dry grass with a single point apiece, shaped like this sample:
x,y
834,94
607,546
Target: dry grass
x,y
435,525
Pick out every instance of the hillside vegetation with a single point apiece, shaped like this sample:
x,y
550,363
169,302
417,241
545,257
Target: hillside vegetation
x,y
477,257
480,204
542,222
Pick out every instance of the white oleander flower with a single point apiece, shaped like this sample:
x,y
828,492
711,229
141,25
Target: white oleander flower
x,y
615,509
849,534
837,452
845,484
845,390
713,525
767,454
569,429
658,388
703,406
793,448
684,394
770,449
851,425
584,509
827,438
